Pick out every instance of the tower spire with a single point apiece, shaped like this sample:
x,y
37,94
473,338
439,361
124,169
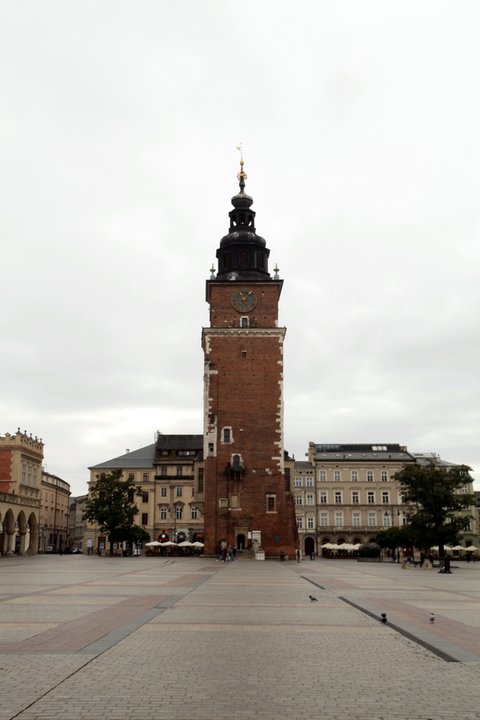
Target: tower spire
x,y
242,255
242,175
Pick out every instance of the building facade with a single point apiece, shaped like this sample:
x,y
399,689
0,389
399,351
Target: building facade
x,y
246,504
347,493
77,524
54,514
21,458
169,475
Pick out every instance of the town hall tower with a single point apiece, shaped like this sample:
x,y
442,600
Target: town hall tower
x,y
247,501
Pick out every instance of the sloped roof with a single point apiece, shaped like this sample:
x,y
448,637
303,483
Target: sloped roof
x,y
179,442
141,458
358,451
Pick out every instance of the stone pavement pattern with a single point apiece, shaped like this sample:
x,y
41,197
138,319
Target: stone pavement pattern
x,y
171,639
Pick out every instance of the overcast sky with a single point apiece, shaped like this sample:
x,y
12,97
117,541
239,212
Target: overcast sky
x,y
360,126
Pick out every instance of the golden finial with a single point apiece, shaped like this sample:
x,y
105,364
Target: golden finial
x,y
242,175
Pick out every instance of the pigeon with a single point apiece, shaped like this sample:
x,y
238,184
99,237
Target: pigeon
x,y
432,617
312,599
383,617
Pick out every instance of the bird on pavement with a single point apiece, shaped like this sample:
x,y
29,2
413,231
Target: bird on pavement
x,y
312,599
432,617
383,617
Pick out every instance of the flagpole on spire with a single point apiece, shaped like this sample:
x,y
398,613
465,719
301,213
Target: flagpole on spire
x,y
242,175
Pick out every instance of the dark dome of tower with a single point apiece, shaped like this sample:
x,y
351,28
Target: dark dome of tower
x,y
242,255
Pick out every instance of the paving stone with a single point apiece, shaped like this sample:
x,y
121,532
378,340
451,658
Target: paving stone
x,y
202,640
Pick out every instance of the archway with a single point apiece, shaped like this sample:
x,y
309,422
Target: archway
x,y
309,546
32,548
8,535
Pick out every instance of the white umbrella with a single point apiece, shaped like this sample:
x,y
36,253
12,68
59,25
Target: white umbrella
x,y
459,548
154,543
185,543
471,548
168,543
329,546
197,544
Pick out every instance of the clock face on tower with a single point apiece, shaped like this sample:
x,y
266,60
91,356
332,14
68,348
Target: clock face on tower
x,y
244,300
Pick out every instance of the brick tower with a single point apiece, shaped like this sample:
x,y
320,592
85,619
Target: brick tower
x,y
247,503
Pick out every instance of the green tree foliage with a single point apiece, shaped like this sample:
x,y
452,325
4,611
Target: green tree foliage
x,y
110,504
394,538
438,507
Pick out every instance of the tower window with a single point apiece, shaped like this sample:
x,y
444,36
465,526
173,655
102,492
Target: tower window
x,y
271,503
227,435
244,321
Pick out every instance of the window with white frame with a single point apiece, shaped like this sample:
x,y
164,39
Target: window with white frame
x,y
227,435
300,522
323,497
310,499
163,491
355,497
387,520
338,497
369,475
163,513
356,519
194,513
322,475
309,481
384,475
298,481
372,519
298,499
310,523
324,519
339,519
179,491
337,475
371,497
179,512
385,497
354,475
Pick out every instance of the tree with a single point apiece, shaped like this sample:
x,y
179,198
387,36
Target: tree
x,y
394,538
438,507
111,505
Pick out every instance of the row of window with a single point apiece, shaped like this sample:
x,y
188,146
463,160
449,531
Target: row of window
x,y
165,491
178,471
339,520
309,480
180,513
338,498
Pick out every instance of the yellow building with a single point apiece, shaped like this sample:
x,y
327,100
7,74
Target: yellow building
x,y
169,475
21,457
54,514
346,493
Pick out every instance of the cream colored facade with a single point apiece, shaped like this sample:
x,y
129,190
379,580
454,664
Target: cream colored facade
x,y
348,494
77,524
54,514
169,476
21,457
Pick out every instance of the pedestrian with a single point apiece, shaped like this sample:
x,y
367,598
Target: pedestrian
x,y
298,554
